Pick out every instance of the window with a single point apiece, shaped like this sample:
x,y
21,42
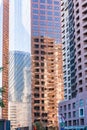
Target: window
x,y
49,7
81,102
49,1
69,115
80,89
69,123
36,52
74,113
42,82
35,0
36,95
42,1
79,67
65,107
42,12
35,16
80,75
35,11
79,60
81,112
36,64
56,7
42,64
37,76
49,18
49,12
36,46
35,5
42,17
36,101
56,3
42,70
74,105
82,121
80,82
79,53
42,6
69,106
74,122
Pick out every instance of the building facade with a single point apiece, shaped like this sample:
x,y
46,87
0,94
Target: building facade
x,y
47,80
18,61
5,57
20,90
74,110
45,33
68,48
46,19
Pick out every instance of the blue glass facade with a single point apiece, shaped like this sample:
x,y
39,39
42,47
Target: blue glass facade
x,y
18,61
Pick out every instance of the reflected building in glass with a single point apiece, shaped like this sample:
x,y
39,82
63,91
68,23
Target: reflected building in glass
x,y
18,61
45,40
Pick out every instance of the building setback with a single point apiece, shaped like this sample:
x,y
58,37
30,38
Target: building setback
x,y
5,57
75,109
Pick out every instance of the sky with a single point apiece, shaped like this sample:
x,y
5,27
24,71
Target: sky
x,y
19,25
0,2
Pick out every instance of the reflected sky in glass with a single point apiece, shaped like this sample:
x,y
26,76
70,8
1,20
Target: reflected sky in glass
x,y
19,34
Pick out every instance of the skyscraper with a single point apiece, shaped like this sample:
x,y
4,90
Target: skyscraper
x,y
45,37
74,110
18,61
68,49
46,19
19,89
5,57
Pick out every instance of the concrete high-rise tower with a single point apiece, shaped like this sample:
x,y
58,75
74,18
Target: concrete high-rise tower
x,y
74,110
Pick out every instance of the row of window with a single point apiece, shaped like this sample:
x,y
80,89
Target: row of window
x,y
43,12
73,105
74,122
74,114
42,6
47,1
49,18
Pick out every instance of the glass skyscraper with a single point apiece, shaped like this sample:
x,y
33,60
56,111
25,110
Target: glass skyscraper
x,y
18,61
45,33
46,19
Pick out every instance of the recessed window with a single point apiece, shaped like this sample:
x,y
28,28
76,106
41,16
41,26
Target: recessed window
x,y
79,60
79,53
81,90
81,112
74,105
69,106
80,75
79,67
